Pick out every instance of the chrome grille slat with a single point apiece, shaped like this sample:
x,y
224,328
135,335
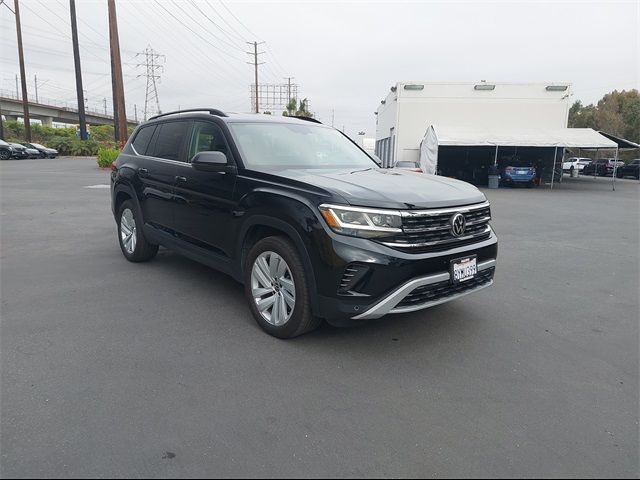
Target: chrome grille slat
x,y
431,230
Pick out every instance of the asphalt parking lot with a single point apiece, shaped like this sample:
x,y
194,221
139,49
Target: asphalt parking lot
x,y
114,369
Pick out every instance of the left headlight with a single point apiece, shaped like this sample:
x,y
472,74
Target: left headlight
x,y
361,222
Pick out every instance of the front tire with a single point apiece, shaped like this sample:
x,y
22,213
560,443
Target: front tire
x,y
133,243
4,155
276,288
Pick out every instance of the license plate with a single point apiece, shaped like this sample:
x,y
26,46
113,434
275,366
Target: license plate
x,y
522,172
463,269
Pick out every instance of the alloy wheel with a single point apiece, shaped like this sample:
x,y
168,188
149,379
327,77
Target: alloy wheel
x,y
128,231
273,288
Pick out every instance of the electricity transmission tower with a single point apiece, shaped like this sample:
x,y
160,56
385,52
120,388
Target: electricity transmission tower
x,y
153,64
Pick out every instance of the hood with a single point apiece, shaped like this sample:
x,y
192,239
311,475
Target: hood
x,y
390,188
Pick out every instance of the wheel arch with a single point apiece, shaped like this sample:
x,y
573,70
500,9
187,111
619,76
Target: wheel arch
x,y
261,226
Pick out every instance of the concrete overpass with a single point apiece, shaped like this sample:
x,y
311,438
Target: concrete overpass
x,y
11,108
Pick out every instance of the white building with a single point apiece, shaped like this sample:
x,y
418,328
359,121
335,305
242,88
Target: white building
x,y
410,108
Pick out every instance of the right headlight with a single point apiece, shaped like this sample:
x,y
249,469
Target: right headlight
x,y
361,222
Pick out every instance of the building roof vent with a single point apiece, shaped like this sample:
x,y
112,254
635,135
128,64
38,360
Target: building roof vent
x,y
556,88
484,86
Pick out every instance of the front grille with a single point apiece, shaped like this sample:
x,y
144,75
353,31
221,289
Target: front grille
x,y
428,231
438,291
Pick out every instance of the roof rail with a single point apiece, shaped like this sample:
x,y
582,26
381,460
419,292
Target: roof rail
x,y
308,119
212,111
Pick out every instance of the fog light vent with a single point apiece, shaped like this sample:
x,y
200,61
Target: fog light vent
x,y
352,275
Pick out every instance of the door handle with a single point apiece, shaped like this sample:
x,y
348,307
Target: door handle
x,y
179,179
143,172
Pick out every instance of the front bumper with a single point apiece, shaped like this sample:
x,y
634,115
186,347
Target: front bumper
x,y
393,278
519,178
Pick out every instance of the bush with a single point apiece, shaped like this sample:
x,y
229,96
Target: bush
x,y
106,156
63,139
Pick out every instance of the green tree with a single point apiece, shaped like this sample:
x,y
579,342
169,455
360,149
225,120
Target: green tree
x,y
302,109
617,113
581,116
291,107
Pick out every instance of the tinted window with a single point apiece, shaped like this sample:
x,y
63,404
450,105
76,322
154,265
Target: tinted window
x,y
143,137
207,137
170,141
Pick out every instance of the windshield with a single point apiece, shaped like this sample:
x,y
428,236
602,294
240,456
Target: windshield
x,y
37,145
284,145
2,142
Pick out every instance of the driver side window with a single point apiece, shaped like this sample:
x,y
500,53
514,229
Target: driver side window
x,y
208,137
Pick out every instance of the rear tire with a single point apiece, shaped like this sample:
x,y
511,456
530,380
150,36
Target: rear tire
x,y
4,155
276,288
135,247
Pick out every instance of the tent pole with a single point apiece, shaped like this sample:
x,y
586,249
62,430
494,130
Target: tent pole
x,y
553,172
615,170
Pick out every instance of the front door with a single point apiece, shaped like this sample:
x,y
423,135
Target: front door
x,y
204,200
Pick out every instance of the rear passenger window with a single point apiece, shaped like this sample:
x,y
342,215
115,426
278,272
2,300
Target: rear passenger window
x,y
143,138
170,140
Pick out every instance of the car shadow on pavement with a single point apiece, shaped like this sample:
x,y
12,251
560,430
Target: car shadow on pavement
x,y
210,287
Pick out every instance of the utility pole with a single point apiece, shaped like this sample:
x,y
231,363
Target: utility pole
x,y
255,63
35,81
153,69
23,75
17,89
289,88
1,125
117,84
76,61
104,101
135,112
332,116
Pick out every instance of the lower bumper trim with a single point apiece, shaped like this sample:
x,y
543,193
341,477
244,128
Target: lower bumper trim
x,y
391,301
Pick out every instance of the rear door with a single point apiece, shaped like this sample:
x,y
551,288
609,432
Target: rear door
x,y
165,160
204,200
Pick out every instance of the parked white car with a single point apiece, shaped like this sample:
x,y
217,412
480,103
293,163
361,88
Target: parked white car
x,y
575,163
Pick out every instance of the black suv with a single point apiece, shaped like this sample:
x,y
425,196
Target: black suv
x,y
301,215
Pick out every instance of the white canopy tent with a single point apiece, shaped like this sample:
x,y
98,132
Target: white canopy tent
x,y
435,137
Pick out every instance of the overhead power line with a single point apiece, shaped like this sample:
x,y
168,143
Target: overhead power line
x,y
193,31
224,32
238,20
238,34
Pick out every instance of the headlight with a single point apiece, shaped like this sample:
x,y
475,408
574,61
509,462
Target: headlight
x,y
361,222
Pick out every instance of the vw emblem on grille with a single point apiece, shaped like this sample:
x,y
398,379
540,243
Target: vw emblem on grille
x,y
458,225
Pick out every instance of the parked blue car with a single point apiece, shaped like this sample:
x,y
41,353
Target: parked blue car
x,y
519,176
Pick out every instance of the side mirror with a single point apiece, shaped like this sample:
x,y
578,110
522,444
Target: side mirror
x,y
210,161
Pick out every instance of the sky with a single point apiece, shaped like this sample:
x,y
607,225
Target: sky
x,y
343,55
